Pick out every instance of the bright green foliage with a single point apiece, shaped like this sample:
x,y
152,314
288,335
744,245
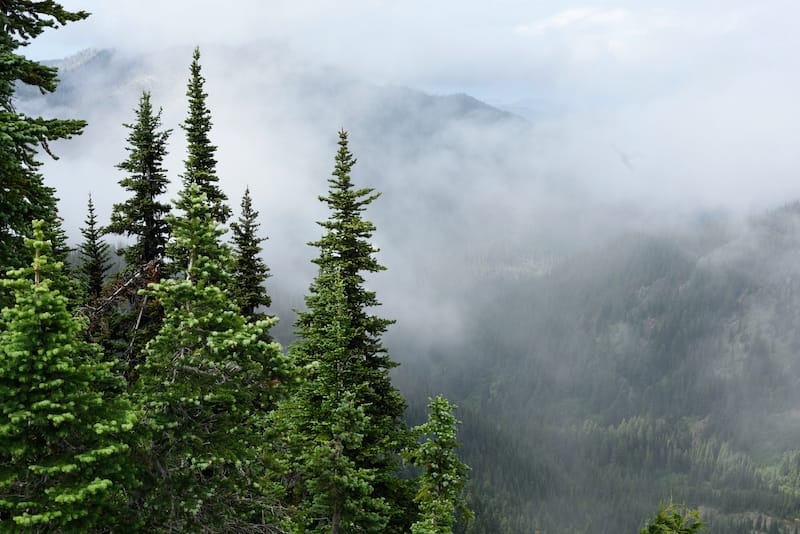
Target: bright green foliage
x,y
142,215
355,362
24,196
325,431
444,474
94,254
63,451
201,165
674,520
249,270
206,387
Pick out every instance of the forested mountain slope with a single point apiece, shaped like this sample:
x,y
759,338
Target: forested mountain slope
x,y
649,368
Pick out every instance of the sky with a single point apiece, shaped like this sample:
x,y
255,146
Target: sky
x,y
666,77
507,50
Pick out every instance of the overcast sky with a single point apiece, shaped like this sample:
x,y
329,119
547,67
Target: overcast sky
x,y
502,51
698,94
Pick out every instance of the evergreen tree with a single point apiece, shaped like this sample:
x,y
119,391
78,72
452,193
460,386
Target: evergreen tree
x,y
444,474
249,270
94,255
127,327
206,386
356,362
142,215
674,520
325,428
201,165
25,196
63,454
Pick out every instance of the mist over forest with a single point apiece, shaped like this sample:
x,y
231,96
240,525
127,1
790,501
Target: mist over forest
x,y
603,274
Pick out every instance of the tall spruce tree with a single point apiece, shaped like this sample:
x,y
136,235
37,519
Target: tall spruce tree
x,y
356,362
249,270
63,421
201,165
207,385
25,197
142,215
94,255
127,328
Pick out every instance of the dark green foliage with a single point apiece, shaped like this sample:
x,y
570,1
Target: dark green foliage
x,y
324,427
201,165
63,423
95,259
249,272
340,349
674,520
142,215
132,319
444,475
25,196
206,387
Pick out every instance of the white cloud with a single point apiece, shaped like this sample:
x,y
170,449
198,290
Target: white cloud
x,y
582,17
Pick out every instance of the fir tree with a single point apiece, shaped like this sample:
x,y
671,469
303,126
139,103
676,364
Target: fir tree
x,y
24,195
63,454
325,428
249,270
674,519
142,215
201,165
94,255
444,474
357,362
206,386
127,328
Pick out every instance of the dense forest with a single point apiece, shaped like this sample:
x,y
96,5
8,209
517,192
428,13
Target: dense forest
x,y
149,385
156,399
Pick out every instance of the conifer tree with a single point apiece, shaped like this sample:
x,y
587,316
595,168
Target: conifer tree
x,y
142,215
444,474
25,197
356,362
249,270
206,386
673,519
325,427
63,423
201,165
94,255
127,328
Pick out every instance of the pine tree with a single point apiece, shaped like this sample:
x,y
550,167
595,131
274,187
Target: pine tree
x,y
249,270
63,423
357,362
206,386
142,215
25,197
444,474
201,165
94,255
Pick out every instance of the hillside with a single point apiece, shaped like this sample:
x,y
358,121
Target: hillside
x,y
652,367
